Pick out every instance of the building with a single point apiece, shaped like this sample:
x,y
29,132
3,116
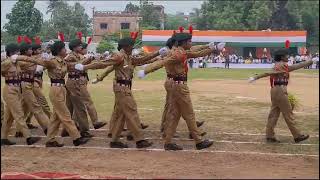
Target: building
x,y
160,10
109,22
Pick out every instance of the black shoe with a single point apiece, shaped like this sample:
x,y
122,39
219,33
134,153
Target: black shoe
x,y
125,129
204,144
64,133
7,142
32,140
99,125
199,123
45,131
144,126
86,134
118,145
80,140
109,135
172,147
31,126
54,144
202,134
272,140
18,134
143,144
301,138
129,137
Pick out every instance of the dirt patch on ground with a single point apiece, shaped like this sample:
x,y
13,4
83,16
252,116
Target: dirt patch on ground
x,y
141,164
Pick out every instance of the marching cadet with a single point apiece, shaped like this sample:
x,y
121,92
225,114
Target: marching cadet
x,y
2,111
125,105
279,78
171,44
85,95
57,70
29,100
76,84
12,96
181,104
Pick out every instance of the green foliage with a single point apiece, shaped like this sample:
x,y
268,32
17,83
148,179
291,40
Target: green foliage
x,y
150,18
66,19
173,22
24,19
132,8
260,15
105,46
294,101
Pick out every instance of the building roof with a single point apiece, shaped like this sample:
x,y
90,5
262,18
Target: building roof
x,y
114,14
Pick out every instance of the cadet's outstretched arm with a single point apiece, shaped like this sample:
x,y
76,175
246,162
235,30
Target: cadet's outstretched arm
x,y
156,65
39,61
105,73
199,47
142,59
300,65
150,61
195,54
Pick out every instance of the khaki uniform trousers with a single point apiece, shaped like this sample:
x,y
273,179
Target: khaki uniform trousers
x,y
2,111
31,104
167,86
87,100
37,90
181,105
125,112
14,111
60,114
75,104
280,103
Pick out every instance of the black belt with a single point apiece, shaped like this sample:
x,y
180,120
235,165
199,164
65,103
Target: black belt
x,y
38,75
280,83
27,80
57,81
125,82
12,81
77,76
177,78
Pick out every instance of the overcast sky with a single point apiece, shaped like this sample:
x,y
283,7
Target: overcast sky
x,y
170,7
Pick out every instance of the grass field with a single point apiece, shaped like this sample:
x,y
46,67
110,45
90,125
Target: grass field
x,y
232,109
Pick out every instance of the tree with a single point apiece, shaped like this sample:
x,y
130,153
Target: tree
x,y
68,19
24,19
173,22
149,16
105,46
132,8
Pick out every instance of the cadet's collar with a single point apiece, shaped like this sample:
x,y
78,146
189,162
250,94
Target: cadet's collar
x,y
124,52
59,59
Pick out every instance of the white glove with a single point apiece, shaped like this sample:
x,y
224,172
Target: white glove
x,y
251,79
135,52
39,69
95,81
79,67
212,46
14,58
45,56
221,45
141,74
163,51
144,66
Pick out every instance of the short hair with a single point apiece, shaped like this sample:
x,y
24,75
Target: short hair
x,y
11,48
57,47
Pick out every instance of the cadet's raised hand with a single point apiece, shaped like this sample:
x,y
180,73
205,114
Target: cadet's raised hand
x,y
251,79
221,45
14,58
141,74
163,51
39,69
79,67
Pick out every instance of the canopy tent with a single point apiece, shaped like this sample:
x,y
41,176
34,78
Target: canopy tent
x,y
232,38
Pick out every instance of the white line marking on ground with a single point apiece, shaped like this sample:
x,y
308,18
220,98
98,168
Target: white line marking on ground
x,y
243,97
162,150
222,141
227,133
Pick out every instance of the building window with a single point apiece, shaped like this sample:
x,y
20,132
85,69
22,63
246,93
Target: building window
x,y
125,25
103,26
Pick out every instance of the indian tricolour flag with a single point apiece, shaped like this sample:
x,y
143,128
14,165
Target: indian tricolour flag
x,y
232,38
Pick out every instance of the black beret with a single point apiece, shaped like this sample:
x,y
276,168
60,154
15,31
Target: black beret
x,y
74,43
35,46
56,47
170,42
24,47
84,45
182,37
126,42
280,53
11,48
